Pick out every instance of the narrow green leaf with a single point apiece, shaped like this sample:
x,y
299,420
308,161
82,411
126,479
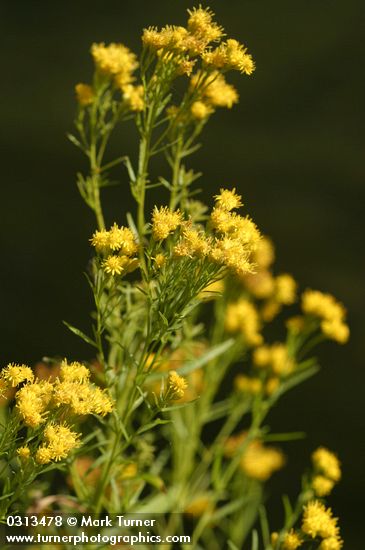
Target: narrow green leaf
x,y
255,540
152,425
81,334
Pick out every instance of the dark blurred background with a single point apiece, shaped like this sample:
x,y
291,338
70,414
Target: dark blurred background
x,y
294,147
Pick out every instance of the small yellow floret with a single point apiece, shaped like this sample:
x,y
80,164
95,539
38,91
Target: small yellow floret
x,y
275,357
292,541
43,455
327,463
200,110
285,289
32,401
230,55
100,240
164,222
246,384
60,441
318,521
114,265
74,372
198,506
84,94
176,385
133,96
228,199
16,374
260,462
329,311
114,60
331,543
23,453
242,317
322,486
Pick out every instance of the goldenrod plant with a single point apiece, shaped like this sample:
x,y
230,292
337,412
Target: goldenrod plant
x,y
169,414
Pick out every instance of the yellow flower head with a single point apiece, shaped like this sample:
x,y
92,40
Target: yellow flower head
x,y
43,455
331,543
114,265
16,374
133,96
329,311
84,94
272,385
275,357
200,24
322,486
82,398
264,255
121,239
285,289
219,93
176,385
260,462
160,260
246,384
23,453
32,401
200,110
228,200
74,372
230,55
242,317
193,243
60,442
327,463
318,521
100,240
198,506
336,330
115,60
164,222
292,541
101,402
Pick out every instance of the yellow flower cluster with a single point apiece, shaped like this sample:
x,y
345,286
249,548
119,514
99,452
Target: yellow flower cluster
x,y
176,385
275,358
84,94
32,401
13,375
121,242
260,462
74,389
283,293
181,47
35,399
60,440
200,32
213,92
134,97
193,243
23,453
230,55
327,463
331,313
318,521
291,540
115,60
241,316
327,470
164,222
247,384
238,236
